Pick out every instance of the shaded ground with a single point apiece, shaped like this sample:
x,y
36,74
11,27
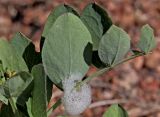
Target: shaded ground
x,y
135,84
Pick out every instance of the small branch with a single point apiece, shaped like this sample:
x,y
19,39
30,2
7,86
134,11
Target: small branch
x,y
145,113
55,105
107,102
152,108
100,72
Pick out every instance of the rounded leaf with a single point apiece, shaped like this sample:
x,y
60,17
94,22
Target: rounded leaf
x,y
14,86
59,10
97,21
10,58
115,111
147,41
114,45
65,48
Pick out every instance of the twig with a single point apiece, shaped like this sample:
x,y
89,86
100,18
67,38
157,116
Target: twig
x,y
108,68
55,105
145,112
146,108
107,102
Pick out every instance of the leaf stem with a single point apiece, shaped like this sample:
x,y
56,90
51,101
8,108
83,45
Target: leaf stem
x,y
100,72
13,105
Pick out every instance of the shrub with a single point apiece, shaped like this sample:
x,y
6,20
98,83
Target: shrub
x,y
70,44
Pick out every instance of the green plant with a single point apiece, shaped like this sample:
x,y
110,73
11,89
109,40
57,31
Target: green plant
x,y
70,44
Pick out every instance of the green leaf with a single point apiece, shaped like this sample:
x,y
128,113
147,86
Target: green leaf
x,y
3,99
2,92
26,48
97,21
29,107
24,96
14,86
39,98
9,57
114,45
147,41
64,49
20,42
115,111
61,9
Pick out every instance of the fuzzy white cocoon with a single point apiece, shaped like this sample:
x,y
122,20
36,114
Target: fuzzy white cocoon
x,y
75,101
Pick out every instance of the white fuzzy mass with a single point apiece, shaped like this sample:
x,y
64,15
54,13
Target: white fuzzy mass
x,y
75,101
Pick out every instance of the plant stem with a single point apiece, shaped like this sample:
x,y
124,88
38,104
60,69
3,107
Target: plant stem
x,y
55,105
13,105
100,72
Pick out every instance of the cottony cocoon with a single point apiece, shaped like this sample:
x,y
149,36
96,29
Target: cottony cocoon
x,y
75,101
